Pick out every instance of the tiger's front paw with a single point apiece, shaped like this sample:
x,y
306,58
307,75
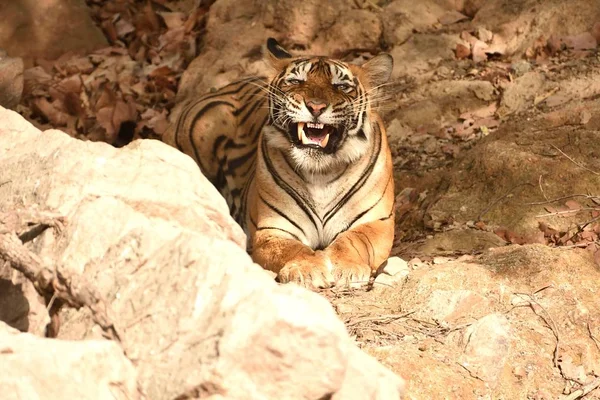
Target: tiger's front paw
x,y
310,271
350,274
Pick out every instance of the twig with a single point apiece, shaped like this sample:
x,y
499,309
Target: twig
x,y
585,389
539,99
589,328
5,182
575,162
530,302
577,245
581,227
470,373
380,318
541,188
568,211
537,203
488,208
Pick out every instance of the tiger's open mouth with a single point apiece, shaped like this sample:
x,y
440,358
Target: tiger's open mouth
x,y
315,134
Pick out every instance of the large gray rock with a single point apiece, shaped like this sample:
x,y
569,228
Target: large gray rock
x,y
195,315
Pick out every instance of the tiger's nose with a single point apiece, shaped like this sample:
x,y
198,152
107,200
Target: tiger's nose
x,y
316,107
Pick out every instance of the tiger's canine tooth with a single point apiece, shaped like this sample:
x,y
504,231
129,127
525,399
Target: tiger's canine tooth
x,y
301,135
324,141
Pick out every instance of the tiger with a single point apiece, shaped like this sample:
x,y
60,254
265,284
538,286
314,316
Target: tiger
x,y
302,158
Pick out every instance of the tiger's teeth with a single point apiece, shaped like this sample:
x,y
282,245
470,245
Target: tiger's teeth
x,y
301,134
324,141
315,126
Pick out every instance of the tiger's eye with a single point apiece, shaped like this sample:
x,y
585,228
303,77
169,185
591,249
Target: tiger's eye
x,y
344,87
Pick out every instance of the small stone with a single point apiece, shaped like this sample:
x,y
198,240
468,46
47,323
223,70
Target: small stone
x,y
485,35
395,265
519,372
488,343
344,308
585,117
520,67
440,260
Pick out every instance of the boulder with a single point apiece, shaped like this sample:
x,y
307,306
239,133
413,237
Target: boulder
x,y
193,313
47,28
35,368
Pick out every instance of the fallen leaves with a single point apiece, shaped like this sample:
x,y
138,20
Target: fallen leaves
x,y
123,91
548,46
479,45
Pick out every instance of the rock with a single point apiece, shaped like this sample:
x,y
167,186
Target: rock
x,y
487,347
402,19
484,35
452,17
520,93
521,22
395,265
358,29
251,22
454,306
394,271
36,368
41,29
158,244
11,80
520,67
461,241
472,6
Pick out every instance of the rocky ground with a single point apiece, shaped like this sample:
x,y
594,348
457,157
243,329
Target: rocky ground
x,y
493,117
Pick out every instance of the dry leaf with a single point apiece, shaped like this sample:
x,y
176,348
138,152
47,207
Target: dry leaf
x,y
573,205
479,51
462,51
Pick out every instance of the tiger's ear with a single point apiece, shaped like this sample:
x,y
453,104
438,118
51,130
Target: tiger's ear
x,y
276,50
379,69
277,55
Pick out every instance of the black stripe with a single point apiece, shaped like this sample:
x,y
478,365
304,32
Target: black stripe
x,y
290,166
239,161
262,228
250,112
282,214
254,129
303,203
358,184
244,199
335,179
370,244
199,115
370,208
246,104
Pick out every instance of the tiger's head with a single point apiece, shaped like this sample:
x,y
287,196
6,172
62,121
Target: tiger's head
x,y
320,108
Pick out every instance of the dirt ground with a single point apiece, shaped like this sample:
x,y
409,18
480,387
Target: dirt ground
x,y
497,171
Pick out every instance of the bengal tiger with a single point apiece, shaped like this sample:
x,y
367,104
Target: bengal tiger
x,y
303,161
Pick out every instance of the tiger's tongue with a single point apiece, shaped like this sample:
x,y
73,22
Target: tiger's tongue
x,y
317,134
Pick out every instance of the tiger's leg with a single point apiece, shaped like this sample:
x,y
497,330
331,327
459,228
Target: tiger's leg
x,y
357,253
292,260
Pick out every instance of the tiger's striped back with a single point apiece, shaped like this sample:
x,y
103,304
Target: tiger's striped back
x,y
220,132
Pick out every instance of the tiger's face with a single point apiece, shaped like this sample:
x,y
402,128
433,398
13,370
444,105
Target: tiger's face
x,y
320,108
